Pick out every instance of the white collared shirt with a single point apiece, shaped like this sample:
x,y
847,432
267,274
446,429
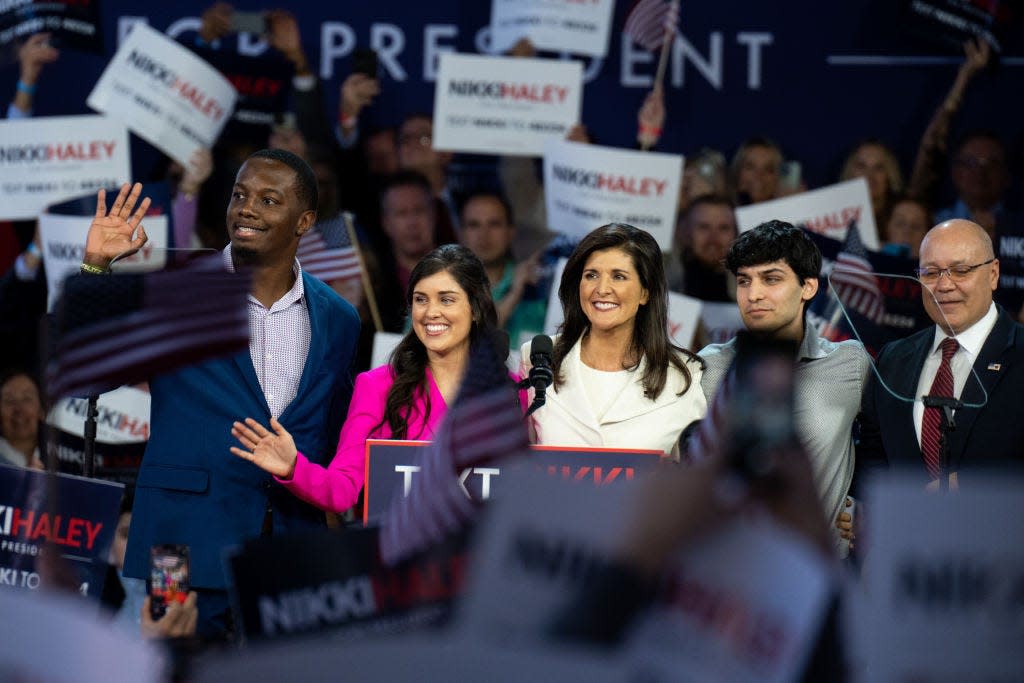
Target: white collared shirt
x,y
279,339
971,340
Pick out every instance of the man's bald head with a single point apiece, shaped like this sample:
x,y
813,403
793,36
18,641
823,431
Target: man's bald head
x,y
961,293
962,229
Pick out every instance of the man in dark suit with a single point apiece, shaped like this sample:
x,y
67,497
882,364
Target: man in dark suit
x,y
975,353
191,490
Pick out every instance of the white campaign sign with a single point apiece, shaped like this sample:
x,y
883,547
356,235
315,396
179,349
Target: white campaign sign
x,y
944,580
555,316
721,321
49,159
383,344
123,416
722,621
587,186
572,26
827,210
683,316
504,105
164,93
63,240
543,539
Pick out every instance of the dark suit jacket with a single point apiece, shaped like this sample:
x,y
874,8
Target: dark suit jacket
x,y
192,490
990,435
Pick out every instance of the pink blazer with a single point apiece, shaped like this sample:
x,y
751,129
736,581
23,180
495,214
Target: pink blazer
x,y
336,487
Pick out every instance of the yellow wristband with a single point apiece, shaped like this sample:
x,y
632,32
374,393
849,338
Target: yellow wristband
x,y
89,269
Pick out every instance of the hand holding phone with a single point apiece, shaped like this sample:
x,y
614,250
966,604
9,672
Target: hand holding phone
x,y
168,577
248,22
761,413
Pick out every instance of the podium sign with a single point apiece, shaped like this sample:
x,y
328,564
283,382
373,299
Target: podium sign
x,y
80,523
391,466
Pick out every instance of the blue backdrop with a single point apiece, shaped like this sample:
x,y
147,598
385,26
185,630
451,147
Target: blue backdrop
x,y
815,76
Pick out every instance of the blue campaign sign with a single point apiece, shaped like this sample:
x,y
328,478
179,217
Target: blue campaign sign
x,y
80,522
391,466
816,76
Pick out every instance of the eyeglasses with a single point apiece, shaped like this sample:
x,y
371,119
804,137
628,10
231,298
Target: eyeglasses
x,y
979,163
955,273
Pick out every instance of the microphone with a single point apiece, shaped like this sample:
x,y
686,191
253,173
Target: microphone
x,y
541,375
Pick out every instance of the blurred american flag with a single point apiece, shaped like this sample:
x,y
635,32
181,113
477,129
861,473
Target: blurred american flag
x,y
484,425
648,21
854,280
326,252
119,329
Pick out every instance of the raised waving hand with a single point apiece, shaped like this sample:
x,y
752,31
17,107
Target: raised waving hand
x,y
111,233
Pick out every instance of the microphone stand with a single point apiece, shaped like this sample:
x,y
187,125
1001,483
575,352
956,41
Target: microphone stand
x,y
539,398
947,425
89,435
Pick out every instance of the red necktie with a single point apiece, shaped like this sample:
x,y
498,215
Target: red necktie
x,y
932,420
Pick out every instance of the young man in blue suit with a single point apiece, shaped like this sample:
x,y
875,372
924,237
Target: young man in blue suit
x,y
191,490
983,364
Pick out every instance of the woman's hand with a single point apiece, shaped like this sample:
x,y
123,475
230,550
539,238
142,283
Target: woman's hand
x,y
273,452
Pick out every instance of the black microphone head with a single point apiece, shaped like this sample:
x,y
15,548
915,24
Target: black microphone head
x,y
540,346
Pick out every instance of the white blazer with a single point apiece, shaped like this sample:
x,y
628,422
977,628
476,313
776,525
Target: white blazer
x,y
632,421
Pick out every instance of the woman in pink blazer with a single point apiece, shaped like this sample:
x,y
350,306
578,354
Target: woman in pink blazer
x,y
450,307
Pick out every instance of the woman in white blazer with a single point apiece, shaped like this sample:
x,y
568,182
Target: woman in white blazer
x,y
619,380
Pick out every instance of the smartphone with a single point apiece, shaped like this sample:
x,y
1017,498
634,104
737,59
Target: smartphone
x,y
364,61
168,577
248,22
762,405
790,176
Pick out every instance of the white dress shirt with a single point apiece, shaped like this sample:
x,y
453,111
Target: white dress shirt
x,y
971,340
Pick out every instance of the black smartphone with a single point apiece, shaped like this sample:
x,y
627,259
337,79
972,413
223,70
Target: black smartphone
x,y
762,404
248,22
168,577
364,61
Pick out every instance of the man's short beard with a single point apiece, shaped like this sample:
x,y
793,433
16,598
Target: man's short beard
x,y
243,256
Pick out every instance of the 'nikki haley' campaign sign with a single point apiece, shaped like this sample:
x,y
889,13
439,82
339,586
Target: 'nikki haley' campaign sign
x,y
80,522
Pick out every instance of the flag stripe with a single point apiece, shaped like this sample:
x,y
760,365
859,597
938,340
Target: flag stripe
x,y
649,21
484,424
182,317
326,252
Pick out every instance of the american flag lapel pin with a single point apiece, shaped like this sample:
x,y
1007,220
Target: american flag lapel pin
x,y
995,366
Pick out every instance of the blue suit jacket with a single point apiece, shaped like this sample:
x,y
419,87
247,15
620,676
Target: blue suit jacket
x,y
990,435
192,490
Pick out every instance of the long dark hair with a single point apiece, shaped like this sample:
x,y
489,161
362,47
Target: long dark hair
x,y
650,329
409,359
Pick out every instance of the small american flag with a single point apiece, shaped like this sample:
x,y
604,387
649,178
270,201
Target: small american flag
x,y
649,21
706,442
484,424
326,252
854,280
124,328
